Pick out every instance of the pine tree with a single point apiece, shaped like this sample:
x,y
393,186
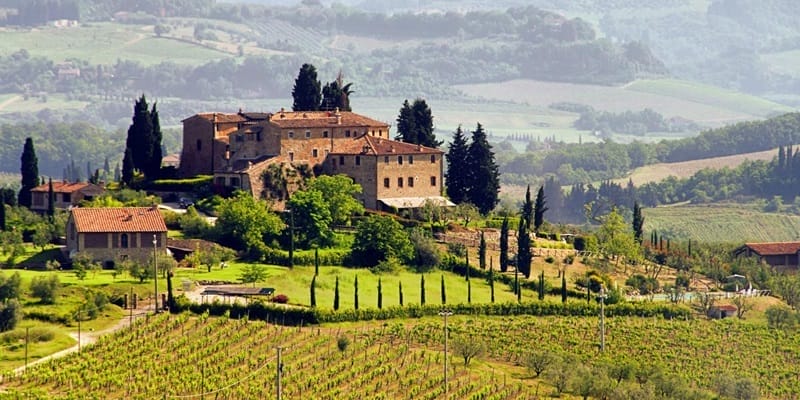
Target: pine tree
x,y
336,295
51,200
127,167
638,222
539,210
400,292
355,293
306,91
527,209
524,255
380,294
406,123
482,252
2,210
415,124
29,169
314,291
504,245
456,175
482,172
422,290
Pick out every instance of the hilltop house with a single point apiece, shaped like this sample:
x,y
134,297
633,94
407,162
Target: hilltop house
x,y
65,194
243,149
116,233
777,254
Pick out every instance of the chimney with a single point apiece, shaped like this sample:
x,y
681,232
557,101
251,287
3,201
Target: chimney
x,y
391,149
338,116
419,147
282,113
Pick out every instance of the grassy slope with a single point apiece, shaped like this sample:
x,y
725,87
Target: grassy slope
x,y
722,223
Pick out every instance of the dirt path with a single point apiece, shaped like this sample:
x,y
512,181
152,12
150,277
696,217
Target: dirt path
x,y
9,101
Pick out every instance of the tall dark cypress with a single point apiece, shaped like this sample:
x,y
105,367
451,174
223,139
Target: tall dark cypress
x,y
482,252
415,124
444,294
400,292
541,286
314,291
482,172
504,245
355,293
336,295
306,93
153,167
527,209
491,283
29,169
563,287
422,289
524,255
469,292
380,294
638,222
51,199
127,167
456,176
405,123
539,209
140,135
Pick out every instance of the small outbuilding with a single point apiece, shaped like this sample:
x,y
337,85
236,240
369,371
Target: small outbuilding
x,y
722,311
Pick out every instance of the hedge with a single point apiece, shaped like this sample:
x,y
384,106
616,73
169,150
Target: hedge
x,y
178,185
305,257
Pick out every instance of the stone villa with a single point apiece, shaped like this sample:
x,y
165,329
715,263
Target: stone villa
x,y
238,149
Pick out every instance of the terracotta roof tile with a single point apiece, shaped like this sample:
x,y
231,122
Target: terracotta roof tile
x,y
118,219
774,248
321,119
366,144
68,187
220,117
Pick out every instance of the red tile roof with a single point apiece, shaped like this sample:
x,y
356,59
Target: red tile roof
x,y
366,144
118,219
321,119
219,117
68,187
775,248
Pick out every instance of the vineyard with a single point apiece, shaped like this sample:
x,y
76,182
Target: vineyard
x,y
222,358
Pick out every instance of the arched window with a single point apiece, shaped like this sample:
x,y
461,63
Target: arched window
x,y
123,241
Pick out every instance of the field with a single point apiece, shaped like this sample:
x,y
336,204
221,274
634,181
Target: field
x,y
700,103
170,356
685,169
784,62
721,223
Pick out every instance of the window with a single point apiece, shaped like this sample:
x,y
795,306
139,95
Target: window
x,y
220,180
324,134
314,153
433,159
410,181
341,160
66,197
385,159
433,181
291,134
258,136
123,241
400,182
400,160
347,133
199,145
308,134
386,182
240,138
234,181
291,156
358,160
410,159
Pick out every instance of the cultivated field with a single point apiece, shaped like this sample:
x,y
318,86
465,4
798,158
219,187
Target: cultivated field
x,y
718,223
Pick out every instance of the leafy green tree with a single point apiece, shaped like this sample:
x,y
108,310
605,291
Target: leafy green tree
x,y
29,169
504,245
482,173
41,235
615,239
336,94
312,218
306,92
140,271
539,210
253,273
46,288
524,255
538,361
336,295
468,348
780,317
82,263
426,251
339,192
194,225
638,225
246,223
10,314
456,177
378,238
415,124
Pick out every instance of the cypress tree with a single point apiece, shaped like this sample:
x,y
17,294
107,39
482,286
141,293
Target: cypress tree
x,y
400,292
29,169
444,295
127,167
336,295
380,294
456,176
51,200
541,286
524,255
422,289
469,292
466,263
539,210
527,209
482,252
153,167
2,210
563,287
118,173
140,136
355,293
504,245
306,92
316,261
638,222
106,167
518,289
491,283
483,176
406,123
314,291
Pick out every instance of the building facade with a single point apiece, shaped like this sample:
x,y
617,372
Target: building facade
x,y
65,195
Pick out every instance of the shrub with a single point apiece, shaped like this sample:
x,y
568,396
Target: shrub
x,y
342,342
426,253
46,288
569,259
549,259
10,314
280,299
457,249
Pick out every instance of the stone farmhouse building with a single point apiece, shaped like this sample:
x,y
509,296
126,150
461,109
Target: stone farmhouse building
x,y
65,194
781,255
242,148
116,233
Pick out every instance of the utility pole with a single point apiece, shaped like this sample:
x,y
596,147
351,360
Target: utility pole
x,y
155,272
445,313
602,297
280,370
